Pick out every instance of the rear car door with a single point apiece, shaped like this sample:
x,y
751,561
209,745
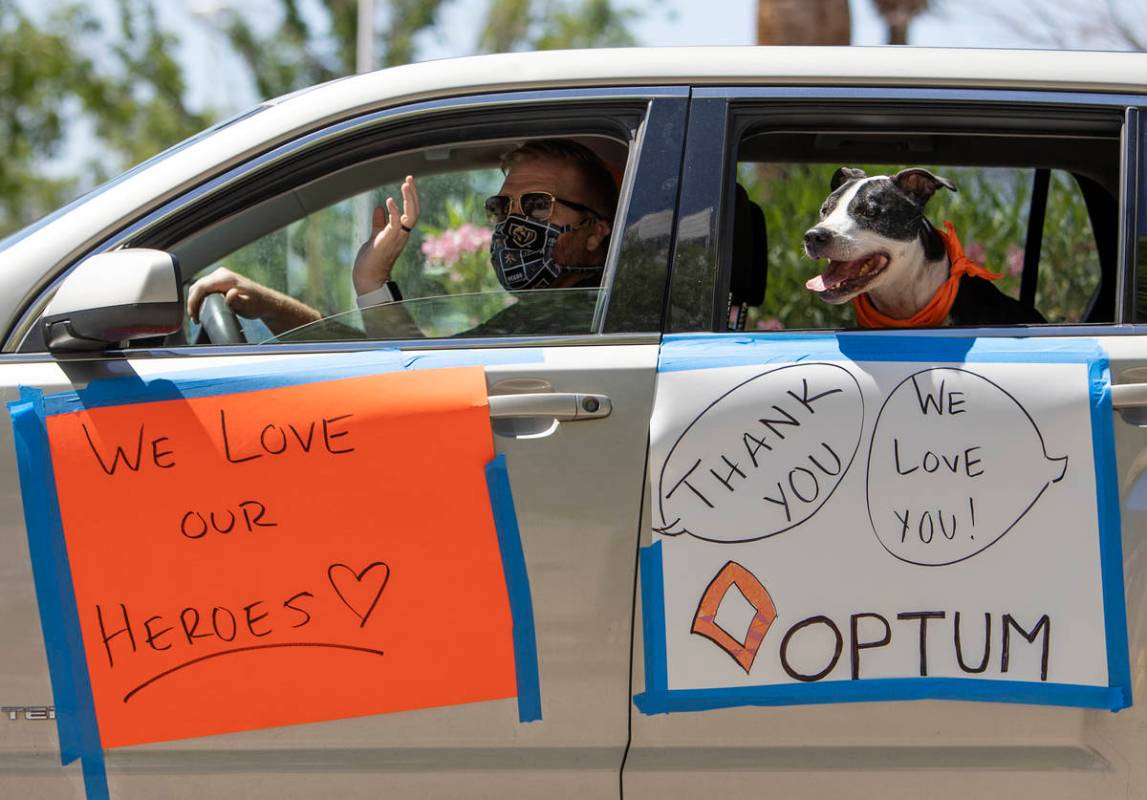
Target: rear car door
x,y
832,732
575,477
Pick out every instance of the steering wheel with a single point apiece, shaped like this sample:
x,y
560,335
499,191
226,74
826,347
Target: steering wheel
x,y
219,321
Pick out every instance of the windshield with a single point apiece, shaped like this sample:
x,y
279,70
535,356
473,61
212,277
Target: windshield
x,y
547,312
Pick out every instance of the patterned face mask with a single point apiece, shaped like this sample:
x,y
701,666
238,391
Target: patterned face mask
x,y
522,252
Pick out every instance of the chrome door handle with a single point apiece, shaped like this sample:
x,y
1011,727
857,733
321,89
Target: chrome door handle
x,y
1128,395
565,406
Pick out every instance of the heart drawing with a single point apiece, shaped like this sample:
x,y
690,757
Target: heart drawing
x,y
361,590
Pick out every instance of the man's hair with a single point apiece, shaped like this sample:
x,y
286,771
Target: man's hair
x,y
599,182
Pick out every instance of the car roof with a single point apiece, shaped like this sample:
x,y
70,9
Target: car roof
x,y
713,66
280,119
873,66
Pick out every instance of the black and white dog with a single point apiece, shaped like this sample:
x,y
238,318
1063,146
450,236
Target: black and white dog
x,y
877,241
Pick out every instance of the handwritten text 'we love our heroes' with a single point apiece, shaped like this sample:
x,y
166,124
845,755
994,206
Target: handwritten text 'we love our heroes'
x,y
237,441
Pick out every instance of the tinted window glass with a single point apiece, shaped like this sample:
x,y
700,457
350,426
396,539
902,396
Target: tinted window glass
x,y
989,213
302,270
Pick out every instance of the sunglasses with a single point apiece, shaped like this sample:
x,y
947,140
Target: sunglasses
x,y
535,205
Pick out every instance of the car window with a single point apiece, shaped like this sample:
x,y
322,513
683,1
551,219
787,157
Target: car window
x,y
447,254
444,272
1030,195
990,213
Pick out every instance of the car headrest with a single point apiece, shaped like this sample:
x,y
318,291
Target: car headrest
x,y
750,252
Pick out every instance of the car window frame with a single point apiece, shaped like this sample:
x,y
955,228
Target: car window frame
x,y
659,112
699,280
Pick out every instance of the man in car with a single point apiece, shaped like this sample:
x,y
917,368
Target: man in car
x,y
552,220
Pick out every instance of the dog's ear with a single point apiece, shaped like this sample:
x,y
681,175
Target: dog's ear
x,y
844,175
920,184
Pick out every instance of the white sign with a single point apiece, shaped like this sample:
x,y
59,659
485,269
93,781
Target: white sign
x,y
828,522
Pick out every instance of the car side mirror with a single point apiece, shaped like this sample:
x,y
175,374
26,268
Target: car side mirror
x,y
114,297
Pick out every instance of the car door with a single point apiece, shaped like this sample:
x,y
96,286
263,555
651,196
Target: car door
x,y
875,742
576,483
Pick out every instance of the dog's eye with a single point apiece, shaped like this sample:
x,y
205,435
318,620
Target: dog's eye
x,y
823,210
868,209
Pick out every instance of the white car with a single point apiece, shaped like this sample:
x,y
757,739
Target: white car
x,y
283,194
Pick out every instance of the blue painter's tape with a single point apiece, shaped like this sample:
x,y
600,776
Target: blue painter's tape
x,y
707,351
653,618
59,618
518,587
95,776
1110,531
879,689
274,373
42,523
248,377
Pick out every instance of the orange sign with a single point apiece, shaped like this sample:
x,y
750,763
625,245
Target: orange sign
x,y
285,555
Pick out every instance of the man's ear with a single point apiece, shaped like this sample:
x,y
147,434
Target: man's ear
x,y
920,184
598,235
844,175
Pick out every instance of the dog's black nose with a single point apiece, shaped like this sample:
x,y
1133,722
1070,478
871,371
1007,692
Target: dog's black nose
x,y
817,236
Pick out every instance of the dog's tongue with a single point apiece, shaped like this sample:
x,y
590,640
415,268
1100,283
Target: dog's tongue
x,y
837,272
834,274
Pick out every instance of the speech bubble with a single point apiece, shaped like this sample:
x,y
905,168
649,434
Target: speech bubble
x,y
955,463
763,457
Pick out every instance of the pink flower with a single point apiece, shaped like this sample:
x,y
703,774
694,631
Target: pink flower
x,y
473,238
1015,260
770,324
448,246
976,252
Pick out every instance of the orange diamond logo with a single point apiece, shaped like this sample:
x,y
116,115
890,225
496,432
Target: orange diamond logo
x,y
705,620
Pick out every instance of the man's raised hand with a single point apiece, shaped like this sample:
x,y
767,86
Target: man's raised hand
x,y
389,233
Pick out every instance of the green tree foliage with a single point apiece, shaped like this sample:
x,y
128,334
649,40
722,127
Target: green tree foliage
x,y
69,71
67,68
138,102
305,49
39,75
550,25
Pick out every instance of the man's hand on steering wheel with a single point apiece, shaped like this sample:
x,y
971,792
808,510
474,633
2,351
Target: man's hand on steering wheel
x,y
390,231
249,299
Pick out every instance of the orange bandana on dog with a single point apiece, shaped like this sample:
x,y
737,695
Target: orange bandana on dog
x,y
933,314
